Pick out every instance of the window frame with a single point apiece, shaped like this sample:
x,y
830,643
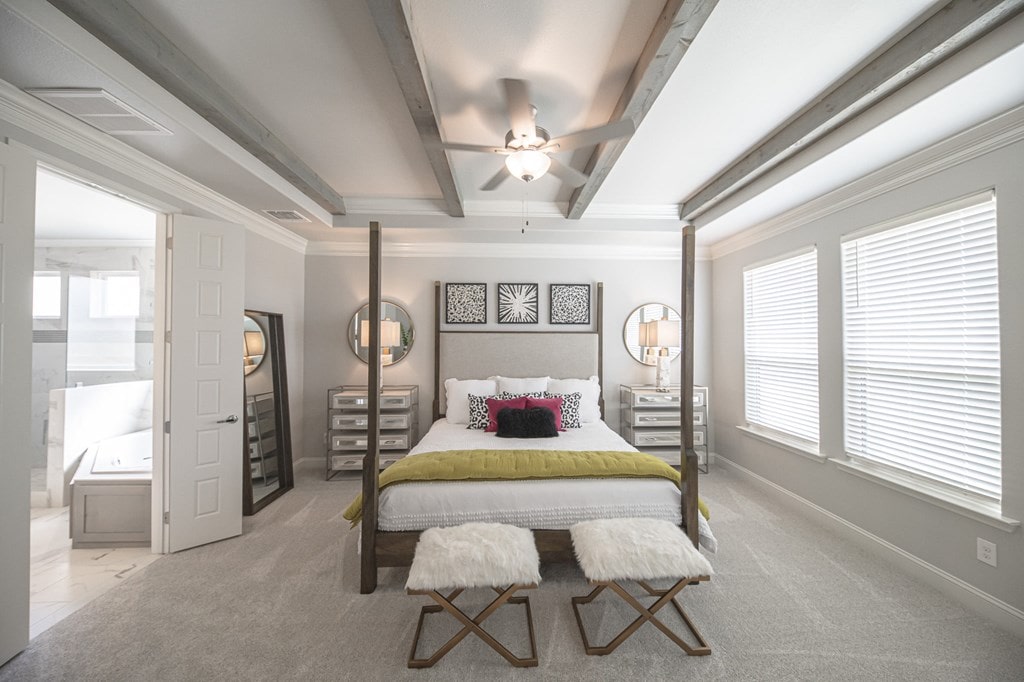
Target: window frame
x,y
913,482
794,442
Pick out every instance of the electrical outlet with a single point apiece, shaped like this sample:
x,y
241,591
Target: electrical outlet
x,y
986,552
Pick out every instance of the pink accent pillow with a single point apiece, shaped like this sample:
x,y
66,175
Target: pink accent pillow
x,y
553,404
494,406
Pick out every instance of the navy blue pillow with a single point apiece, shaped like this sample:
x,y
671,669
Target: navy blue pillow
x,y
531,422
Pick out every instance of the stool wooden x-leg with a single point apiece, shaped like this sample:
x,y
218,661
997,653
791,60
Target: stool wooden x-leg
x,y
473,625
646,614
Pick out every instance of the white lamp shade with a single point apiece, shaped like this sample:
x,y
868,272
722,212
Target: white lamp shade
x,y
390,333
254,343
663,333
527,164
645,334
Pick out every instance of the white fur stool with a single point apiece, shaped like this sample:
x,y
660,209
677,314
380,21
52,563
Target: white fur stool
x,y
503,558
612,550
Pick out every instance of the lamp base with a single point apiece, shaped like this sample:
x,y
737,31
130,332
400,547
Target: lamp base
x,y
662,375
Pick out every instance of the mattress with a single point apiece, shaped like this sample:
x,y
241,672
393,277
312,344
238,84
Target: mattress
x,y
538,504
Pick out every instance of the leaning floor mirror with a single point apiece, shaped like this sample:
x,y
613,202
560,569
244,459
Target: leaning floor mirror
x,y
268,448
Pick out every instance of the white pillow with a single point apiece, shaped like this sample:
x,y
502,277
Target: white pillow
x,y
590,389
522,385
457,396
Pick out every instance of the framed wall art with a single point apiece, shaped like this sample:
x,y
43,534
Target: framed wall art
x,y
517,303
570,304
465,303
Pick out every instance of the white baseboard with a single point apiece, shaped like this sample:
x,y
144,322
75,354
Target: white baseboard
x,y
1005,615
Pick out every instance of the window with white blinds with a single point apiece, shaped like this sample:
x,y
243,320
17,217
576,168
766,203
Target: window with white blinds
x,y
780,327
921,330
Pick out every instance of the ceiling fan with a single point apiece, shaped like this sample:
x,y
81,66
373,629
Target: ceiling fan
x,y
528,146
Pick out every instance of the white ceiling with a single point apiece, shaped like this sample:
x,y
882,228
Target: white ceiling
x,y
69,210
317,75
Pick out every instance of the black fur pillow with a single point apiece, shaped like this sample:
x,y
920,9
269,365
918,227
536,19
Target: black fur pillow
x,y
531,422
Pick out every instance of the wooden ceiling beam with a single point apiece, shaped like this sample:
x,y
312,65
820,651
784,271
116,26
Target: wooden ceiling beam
x,y
948,30
121,28
396,34
673,33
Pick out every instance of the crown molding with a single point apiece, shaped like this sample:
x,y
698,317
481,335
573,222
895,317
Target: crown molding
x,y
38,118
504,251
984,138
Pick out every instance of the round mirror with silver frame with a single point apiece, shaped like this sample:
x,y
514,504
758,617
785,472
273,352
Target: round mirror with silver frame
x,y
255,346
634,333
397,333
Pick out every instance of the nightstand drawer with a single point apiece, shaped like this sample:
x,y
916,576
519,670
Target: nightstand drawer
x,y
656,418
355,462
700,416
349,400
359,422
392,401
655,399
397,442
700,396
655,438
699,437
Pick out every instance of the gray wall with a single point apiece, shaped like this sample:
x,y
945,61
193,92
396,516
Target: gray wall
x,y
336,286
275,283
940,537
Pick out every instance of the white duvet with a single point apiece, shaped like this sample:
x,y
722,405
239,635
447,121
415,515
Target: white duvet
x,y
548,504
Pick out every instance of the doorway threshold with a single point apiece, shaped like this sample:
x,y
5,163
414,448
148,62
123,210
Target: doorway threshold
x,y
64,580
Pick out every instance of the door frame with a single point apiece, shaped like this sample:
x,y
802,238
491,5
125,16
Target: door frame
x,y
161,323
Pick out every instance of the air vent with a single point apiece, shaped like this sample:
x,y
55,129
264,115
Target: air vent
x,y
101,110
286,215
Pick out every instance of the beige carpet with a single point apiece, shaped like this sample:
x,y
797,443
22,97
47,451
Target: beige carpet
x,y
281,603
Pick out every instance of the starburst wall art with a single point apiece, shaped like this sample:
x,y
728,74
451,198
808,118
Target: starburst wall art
x,y
517,303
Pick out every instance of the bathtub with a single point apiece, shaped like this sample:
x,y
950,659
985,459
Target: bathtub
x,y
111,492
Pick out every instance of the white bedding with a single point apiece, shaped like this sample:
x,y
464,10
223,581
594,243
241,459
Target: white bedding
x,y
550,504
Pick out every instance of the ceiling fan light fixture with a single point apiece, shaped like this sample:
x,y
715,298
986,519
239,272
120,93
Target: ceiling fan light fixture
x,y
528,164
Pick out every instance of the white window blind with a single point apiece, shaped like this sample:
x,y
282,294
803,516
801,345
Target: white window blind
x,y
781,345
921,328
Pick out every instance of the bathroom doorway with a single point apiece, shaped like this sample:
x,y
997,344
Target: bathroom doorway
x,y
95,290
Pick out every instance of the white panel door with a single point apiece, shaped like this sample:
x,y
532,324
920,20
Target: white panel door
x,y
17,229
206,406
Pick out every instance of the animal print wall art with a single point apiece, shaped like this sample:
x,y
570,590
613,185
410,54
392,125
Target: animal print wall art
x,y
570,304
517,303
465,303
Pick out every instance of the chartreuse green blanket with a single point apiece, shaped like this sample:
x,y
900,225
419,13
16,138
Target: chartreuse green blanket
x,y
519,465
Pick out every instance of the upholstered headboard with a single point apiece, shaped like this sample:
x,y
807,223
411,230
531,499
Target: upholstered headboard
x,y
480,354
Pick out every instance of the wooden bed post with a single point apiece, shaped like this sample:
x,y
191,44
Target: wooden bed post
x,y
371,462
688,457
600,344
437,351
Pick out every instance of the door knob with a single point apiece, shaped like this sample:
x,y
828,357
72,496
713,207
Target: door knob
x,y
230,420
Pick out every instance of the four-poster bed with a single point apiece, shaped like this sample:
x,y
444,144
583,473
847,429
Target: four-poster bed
x,y
488,353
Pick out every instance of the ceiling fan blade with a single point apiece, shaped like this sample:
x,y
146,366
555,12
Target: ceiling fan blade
x,y
592,136
501,176
567,174
459,146
520,113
